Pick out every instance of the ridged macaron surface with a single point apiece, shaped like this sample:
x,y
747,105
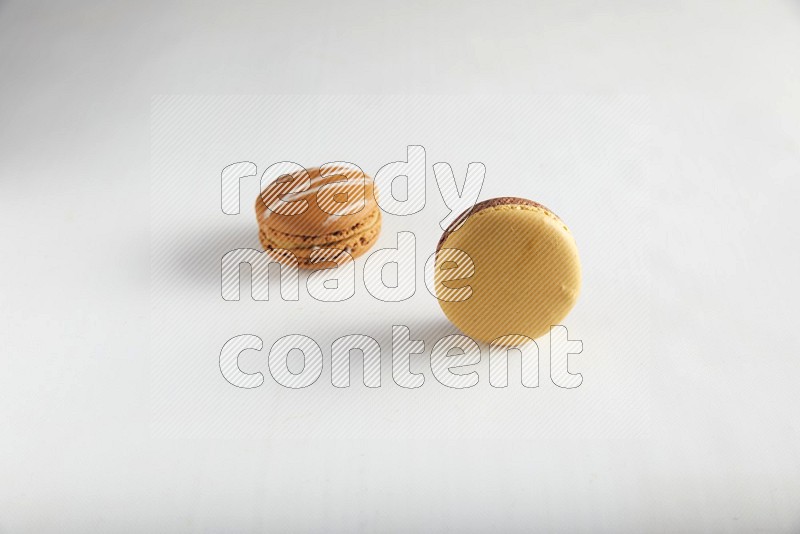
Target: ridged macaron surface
x,y
527,273
330,207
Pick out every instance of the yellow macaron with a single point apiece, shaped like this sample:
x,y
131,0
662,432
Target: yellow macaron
x,y
527,273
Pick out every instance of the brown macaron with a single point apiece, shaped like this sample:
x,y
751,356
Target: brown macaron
x,y
324,214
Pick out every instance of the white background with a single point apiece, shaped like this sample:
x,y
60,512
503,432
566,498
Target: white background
x,y
719,450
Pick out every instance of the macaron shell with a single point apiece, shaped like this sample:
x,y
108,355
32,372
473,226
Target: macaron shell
x,y
326,203
527,271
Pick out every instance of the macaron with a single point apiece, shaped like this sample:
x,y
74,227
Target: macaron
x,y
527,273
324,214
